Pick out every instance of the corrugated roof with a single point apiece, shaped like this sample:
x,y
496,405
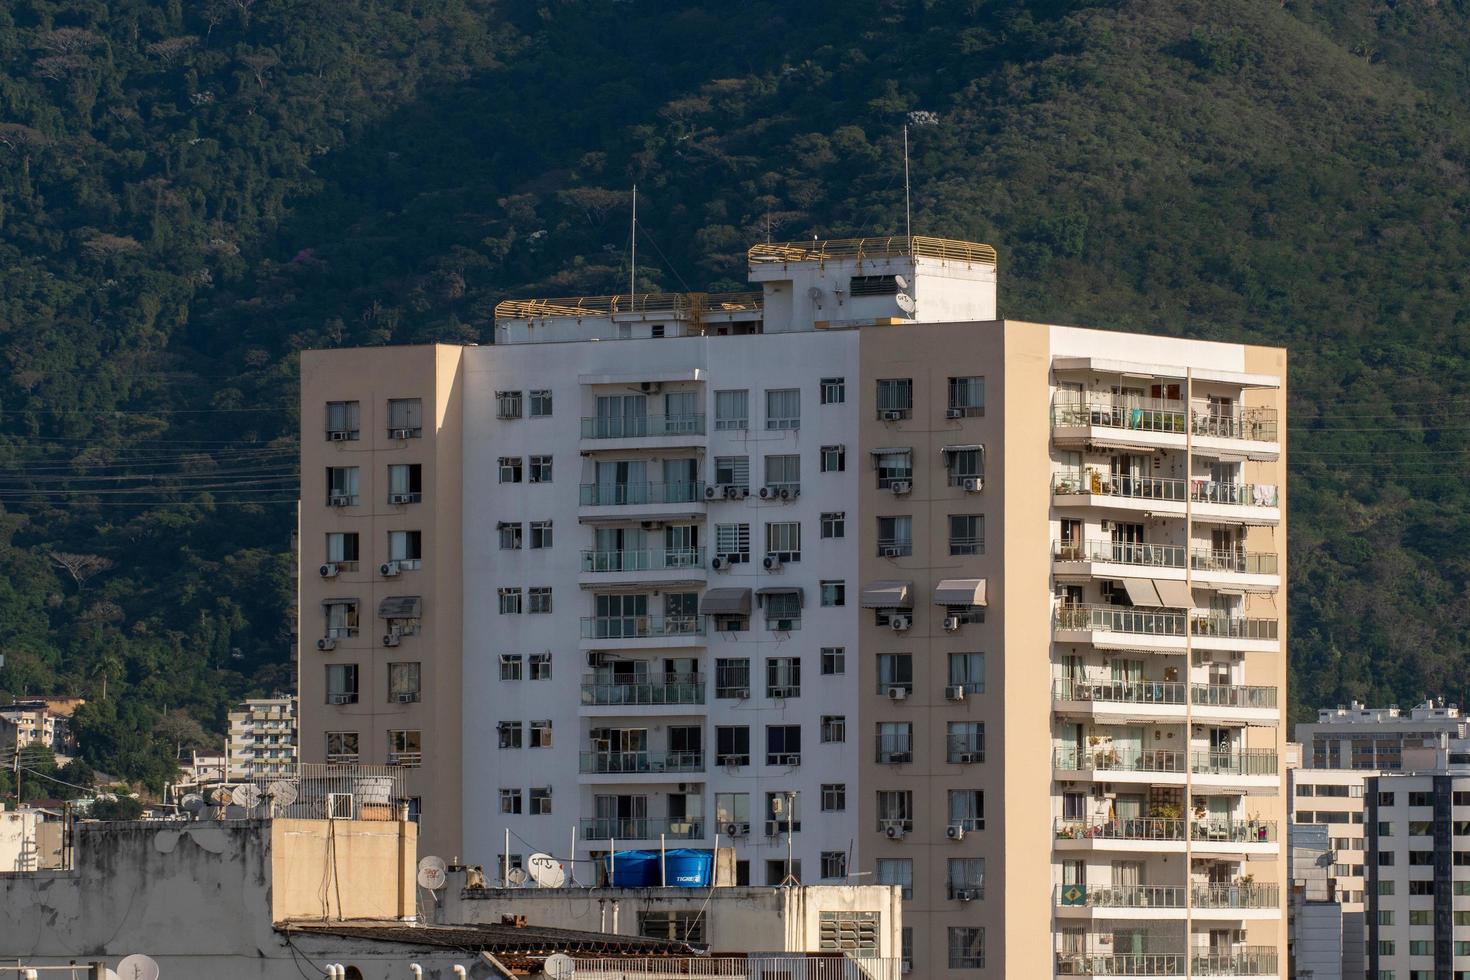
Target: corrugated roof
x,y
497,939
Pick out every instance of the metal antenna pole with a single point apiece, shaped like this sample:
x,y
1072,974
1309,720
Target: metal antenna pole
x,y
908,215
633,253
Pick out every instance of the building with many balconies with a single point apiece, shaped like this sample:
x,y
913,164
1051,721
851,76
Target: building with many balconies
x,y
261,744
847,574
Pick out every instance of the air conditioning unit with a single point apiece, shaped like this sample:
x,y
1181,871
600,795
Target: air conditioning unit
x,y
974,484
326,643
1105,526
392,639
900,623
400,498
737,829
339,500
897,693
968,757
596,658
407,698
402,433
951,623
771,563
732,492
337,435
742,492
339,806
964,895
342,699
715,490
955,831
954,413
891,415
782,625
740,693
328,570
891,551
719,563
894,831
388,569
900,487
784,493
650,387
954,692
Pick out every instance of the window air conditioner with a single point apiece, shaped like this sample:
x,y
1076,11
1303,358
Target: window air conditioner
x,y
974,484
343,699
771,563
891,551
326,643
782,626
400,498
741,693
649,387
596,658
955,831
737,829
894,831
328,570
900,623
338,500
951,623
892,415
954,692
954,413
402,433
900,487
968,757
964,895
388,569
897,693
337,435
407,698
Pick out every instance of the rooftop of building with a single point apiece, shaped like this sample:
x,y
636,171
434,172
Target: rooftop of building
x,y
499,939
1356,712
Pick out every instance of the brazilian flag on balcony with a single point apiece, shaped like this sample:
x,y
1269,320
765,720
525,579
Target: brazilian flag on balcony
x,y
1074,894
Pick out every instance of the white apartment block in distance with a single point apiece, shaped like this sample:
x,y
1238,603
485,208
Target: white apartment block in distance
x,y
261,744
1360,737
846,569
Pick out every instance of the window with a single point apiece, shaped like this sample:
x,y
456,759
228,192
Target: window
x,y
783,540
540,596
540,795
895,536
341,747
507,404
510,801
967,396
405,418
1421,947
539,469
783,676
834,661
834,728
873,285
894,466
778,870
1421,799
732,745
680,925
510,666
834,797
540,534
1385,858
510,536
834,592
834,524
341,617
966,947
732,542
897,871
1385,799
732,677
732,409
510,734
783,745
783,408
1424,887
834,391
967,808
834,865
510,601
510,469
783,806
732,808
834,459
783,610
541,734
895,670
405,748
966,534
783,472
895,398
405,483
540,666
341,683
342,549
1421,828
1305,789
965,878
404,683
967,670
540,409
895,742
1385,947
964,742
1386,887
406,549
895,809
1420,917
732,471
964,463
342,486
342,421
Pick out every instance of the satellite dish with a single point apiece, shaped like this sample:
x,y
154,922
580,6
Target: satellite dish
x,y
192,803
222,797
559,966
546,871
902,282
815,293
246,796
905,302
137,967
282,793
517,877
432,871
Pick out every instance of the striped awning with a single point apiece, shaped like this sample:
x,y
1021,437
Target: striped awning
x,y
725,602
960,592
400,607
1175,595
1141,592
888,595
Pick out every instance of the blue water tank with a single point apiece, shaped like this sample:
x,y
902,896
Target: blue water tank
x,y
682,867
686,867
633,869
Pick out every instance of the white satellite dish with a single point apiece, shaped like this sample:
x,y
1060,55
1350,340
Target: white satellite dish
x,y
905,302
432,873
221,797
192,803
282,793
559,966
546,871
138,967
246,795
517,877
902,282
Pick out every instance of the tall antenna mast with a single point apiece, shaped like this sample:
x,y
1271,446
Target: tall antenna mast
x,y
633,258
908,215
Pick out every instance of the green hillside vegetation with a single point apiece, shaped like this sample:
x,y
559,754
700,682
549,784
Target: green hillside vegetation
x,y
190,193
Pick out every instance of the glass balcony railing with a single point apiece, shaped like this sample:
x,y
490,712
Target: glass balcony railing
x,y
1135,828
640,762
637,828
1246,562
1149,415
1239,762
1253,424
1121,553
1234,831
1119,692
663,689
1105,484
1108,759
1238,896
1120,619
1245,961
1232,696
1235,627
1120,964
635,427
636,627
630,494
645,560
1235,494
1120,896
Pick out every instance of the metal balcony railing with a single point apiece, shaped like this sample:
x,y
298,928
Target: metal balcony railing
x,y
1120,619
1235,627
1233,695
1148,415
1239,896
1120,964
1133,828
1246,562
1245,961
635,427
1101,483
1253,424
630,494
639,762
639,828
1106,759
1120,553
1121,692
1240,762
644,560
662,689
1236,494
636,627
1120,896
1235,832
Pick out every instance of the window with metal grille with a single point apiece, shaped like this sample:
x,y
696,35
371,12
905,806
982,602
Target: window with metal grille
x,y
732,542
873,286
895,397
508,404
682,925
848,930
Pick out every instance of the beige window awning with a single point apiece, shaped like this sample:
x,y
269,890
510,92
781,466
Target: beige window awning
x,y
782,590
960,592
888,595
1141,592
725,602
1175,595
400,607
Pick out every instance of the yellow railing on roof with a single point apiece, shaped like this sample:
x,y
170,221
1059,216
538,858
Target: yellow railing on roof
x,y
872,248
678,305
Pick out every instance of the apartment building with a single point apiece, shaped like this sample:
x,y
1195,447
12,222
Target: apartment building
x,y
38,721
1333,800
1360,737
261,744
847,573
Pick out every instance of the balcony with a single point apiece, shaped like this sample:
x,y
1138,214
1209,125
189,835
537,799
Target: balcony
x,y
644,565
1238,896
1223,632
1161,766
1238,762
1123,627
640,763
662,427
1120,701
625,829
1234,832
650,631
1120,964
640,494
1148,835
1132,554
1098,419
1234,702
1120,896
1244,961
1255,570
676,689
1093,487
1256,504
1252,432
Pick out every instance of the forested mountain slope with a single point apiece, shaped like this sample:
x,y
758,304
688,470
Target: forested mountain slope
x,y
192,192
